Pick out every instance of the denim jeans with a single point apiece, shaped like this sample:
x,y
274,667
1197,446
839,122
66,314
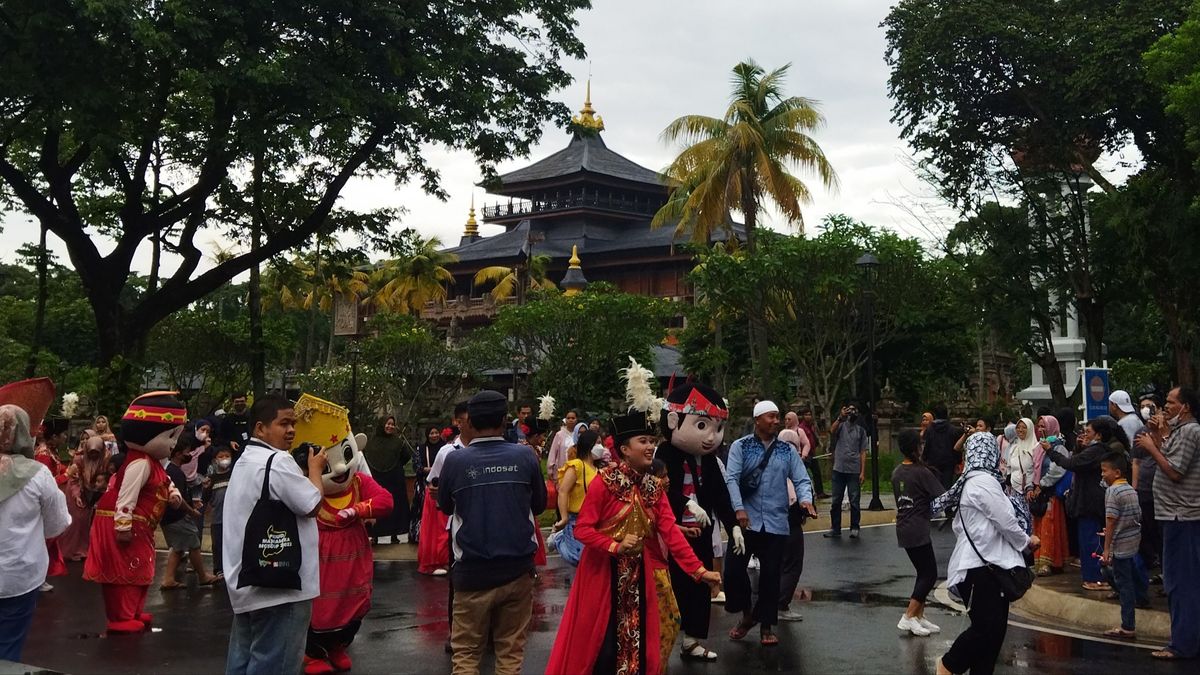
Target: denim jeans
x,y
1129,580
16,615
1181,568
845,483
269,640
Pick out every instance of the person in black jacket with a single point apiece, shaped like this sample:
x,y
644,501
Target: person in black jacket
x,y
940,441
1085,502
693,421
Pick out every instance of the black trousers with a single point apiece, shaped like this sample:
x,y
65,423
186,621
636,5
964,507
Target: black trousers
x,y
320,644
738,593
214,532
1151,546
813,466
977,648
793,558
396,523
925,562
694,600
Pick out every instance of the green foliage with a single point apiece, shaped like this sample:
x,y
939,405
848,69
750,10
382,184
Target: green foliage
x,y
574,345
1132,375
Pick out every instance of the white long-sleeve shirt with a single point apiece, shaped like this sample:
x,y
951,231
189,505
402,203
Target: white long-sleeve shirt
x,y
993,527
1020,469
27,519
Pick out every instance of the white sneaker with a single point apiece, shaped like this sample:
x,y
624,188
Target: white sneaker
x,y
719,598
928,625
913,626
46,588
791,615
753,563
402,539
441,572
385,540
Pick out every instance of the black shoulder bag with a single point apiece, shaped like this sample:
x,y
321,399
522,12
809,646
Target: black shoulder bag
x,y
749,481
271,554
1013,582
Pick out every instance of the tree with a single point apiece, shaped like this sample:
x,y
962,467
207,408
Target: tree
x,y
740,161
506,279
418,275
319,93
312,285
574,345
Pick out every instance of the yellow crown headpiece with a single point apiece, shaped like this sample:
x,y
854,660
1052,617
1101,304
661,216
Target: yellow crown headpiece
x,y
320,422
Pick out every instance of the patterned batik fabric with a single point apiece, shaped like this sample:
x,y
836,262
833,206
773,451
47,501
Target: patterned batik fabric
x,y
669,619
629,619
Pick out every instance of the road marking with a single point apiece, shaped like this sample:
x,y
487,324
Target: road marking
x,y
942,595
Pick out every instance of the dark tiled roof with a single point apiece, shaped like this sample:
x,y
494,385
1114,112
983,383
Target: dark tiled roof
x,y
591,238
583,153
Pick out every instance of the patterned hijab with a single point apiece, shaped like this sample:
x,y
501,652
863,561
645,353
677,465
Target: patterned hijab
x,y
982,456
1039,455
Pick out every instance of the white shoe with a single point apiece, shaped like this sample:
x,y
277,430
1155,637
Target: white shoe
x,y
913,626
384,540
441,572
719,598
402,539
46,588
753,563
791,615
928,625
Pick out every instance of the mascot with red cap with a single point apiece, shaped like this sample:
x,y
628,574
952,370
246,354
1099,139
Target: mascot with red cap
x,y
122,555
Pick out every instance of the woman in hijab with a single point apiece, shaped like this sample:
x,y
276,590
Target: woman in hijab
x,y
1051,527
1020,458
32,510
88,463
422,462
998,526
387,454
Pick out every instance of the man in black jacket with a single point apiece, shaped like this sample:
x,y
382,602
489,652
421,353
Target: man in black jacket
x,y
940,439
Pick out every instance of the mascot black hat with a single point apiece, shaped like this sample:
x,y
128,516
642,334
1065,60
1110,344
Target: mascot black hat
x,y
150,415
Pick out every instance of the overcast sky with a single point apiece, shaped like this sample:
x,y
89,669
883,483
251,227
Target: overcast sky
x,y
652,61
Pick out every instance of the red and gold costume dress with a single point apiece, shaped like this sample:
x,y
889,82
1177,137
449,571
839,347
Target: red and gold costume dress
x,y
614,598
134,503
347,566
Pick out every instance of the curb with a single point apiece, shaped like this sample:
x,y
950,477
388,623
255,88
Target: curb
x,y
1097,616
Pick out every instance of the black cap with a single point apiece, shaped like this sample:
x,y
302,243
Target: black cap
x,y
487,402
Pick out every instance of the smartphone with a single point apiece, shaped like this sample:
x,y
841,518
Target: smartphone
x,y
1052,439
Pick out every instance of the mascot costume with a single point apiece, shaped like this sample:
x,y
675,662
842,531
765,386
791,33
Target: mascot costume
x,y
693,423
121,550
347,566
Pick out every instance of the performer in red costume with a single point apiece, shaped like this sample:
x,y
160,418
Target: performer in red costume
x,y
121,552
347,566
613,622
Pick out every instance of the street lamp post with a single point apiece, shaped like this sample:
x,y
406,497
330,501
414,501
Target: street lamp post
x,y
869,265
355,352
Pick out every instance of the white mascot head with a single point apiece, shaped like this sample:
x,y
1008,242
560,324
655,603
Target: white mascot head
x,y
693,419
327,424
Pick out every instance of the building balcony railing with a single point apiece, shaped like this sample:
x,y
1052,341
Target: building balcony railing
x,y
464,308
611,202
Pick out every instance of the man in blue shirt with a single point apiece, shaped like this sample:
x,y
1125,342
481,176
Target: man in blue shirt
x,y
757,475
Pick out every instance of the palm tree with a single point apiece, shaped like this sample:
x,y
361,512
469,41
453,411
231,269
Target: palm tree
x,y
737,162
407,283
312,286
506,278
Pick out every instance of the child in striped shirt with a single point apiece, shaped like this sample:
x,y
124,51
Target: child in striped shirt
x,y
1122,536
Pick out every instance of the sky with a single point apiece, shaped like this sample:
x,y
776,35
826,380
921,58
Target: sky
x,y
653,61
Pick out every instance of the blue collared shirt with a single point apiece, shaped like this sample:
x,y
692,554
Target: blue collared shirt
x,y
768,507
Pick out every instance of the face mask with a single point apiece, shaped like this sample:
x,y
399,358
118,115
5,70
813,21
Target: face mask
x,y
598,451
223,464
202,435
1147,412
1174,420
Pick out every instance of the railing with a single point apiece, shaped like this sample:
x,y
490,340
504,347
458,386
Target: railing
x,y
464,308
521,207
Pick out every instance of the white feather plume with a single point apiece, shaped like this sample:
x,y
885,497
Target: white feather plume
x,y
638,394
546,408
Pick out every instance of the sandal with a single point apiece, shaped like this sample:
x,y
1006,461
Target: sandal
x,y
1120,633
212,579
173,586
768,640
1096,586
739,631
1165,655
695,651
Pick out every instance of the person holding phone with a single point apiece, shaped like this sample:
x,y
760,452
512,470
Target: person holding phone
x,y
850,442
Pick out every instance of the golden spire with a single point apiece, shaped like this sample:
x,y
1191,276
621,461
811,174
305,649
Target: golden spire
x,y
574,281
575,261
472,229
587,117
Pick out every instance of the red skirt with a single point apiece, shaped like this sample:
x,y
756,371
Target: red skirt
x,y
347,572
1052,530
539,558
433,548
111,562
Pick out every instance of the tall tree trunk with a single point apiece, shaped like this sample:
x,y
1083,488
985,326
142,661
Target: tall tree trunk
x,y
1091,322
258,362
39,317
758,327
156,236
310,345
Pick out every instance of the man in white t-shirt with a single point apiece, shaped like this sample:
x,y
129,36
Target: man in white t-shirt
x,y
270,625
1121,408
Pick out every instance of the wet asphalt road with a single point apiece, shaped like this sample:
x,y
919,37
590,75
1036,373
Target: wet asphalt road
x,y
859,589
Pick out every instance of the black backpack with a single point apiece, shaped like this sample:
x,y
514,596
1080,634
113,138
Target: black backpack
x,y
271,554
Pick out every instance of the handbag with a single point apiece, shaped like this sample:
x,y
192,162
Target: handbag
x,y
748,482
1041,503
271,553
1013,582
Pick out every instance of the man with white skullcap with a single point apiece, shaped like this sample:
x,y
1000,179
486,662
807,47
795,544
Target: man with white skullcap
x,y
758,471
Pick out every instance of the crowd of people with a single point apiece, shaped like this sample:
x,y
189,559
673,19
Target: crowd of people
x,y
659,516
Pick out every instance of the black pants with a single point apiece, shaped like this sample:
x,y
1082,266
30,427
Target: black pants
x,y
947,474
793,558
925,562
977,648
214,532
738,594
396,523
813,465
320,644
694,600
1151,546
